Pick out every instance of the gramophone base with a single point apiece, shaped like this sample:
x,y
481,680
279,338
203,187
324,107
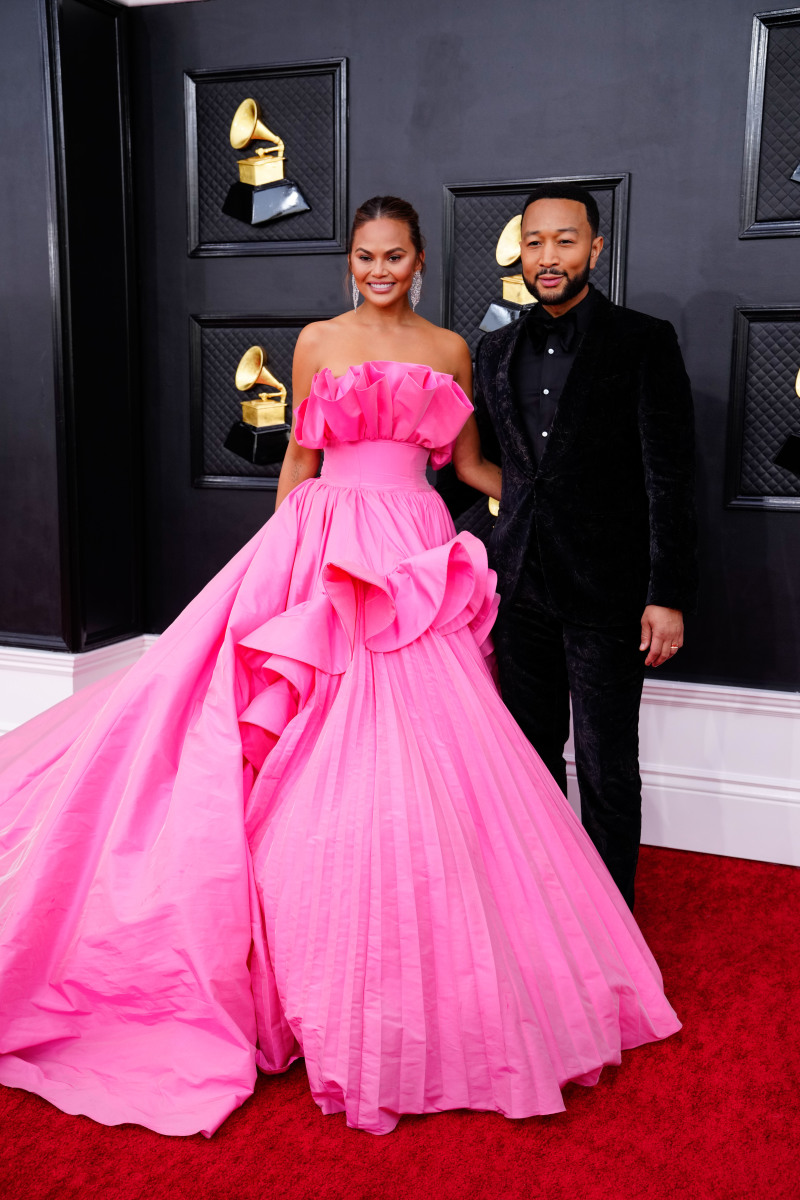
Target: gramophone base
x,y
261,447
269,202
497,315
788,456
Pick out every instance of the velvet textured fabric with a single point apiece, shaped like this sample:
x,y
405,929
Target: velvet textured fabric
x,y
611,505
602,525
542,662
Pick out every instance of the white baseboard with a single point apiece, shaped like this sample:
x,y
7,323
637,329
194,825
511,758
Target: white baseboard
x,y
720,765
720,770
33,680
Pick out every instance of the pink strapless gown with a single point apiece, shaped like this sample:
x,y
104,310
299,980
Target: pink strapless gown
x,y
304,824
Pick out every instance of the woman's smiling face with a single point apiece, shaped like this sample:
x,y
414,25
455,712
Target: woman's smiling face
x,y
383,260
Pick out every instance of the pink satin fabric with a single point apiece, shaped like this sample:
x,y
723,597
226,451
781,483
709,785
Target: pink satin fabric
x,y
305,824
390,466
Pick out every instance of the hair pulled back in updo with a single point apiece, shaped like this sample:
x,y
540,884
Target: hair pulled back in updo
x,y
390,208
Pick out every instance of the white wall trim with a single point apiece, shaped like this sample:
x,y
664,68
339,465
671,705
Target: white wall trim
x,y
145,3
719,698
720,765
33,680
713,782
720,770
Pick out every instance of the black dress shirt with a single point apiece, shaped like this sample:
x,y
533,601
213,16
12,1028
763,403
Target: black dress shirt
x,y
542,361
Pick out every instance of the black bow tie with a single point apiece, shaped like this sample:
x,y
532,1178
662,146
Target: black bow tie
x,y
541,325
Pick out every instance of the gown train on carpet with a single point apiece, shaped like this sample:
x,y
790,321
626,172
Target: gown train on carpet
x,y
304,824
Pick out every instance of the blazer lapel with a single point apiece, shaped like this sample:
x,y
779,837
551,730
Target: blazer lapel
x,y
512,434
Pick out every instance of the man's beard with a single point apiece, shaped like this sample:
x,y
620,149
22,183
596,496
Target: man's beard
x,y
574,286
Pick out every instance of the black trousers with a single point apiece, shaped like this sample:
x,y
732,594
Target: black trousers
x,y
542,661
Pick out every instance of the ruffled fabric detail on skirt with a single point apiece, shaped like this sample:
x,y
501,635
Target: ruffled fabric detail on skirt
x,y
446,588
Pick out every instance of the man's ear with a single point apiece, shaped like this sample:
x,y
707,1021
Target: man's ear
x,y
597,246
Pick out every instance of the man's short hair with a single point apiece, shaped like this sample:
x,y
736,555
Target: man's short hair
x,y
567,191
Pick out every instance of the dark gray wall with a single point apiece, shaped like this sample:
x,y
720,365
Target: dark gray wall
x,y
456,92
461,91
30,574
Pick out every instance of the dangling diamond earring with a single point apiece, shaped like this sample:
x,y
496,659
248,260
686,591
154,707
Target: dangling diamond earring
x,y
356,292
415,291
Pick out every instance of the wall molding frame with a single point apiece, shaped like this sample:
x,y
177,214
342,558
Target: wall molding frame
x,y
751,226
201,245
736,496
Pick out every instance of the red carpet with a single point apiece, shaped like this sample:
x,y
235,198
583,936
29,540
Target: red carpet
x,y
711,1114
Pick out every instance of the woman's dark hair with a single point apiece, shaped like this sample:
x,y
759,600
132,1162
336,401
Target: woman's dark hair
x,y
391,208
567,191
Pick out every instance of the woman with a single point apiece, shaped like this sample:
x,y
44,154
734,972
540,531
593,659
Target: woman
x,y
304,824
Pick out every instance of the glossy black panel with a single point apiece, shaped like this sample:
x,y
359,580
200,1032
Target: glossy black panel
x,y
30,575
102,418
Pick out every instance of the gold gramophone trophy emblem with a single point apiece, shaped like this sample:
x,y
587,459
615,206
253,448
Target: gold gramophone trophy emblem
x,y
788,455
262,193
516,296
262,435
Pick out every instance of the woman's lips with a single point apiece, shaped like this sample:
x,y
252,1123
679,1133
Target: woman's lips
x,y
381,287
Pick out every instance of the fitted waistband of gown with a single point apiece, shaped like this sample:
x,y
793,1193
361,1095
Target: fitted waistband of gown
x,y
376,464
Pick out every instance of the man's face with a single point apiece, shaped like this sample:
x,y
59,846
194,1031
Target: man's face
x,y
558,251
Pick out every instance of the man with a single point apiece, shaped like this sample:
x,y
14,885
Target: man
x,y
588,407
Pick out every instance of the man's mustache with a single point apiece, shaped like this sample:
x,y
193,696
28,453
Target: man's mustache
x,y
560,274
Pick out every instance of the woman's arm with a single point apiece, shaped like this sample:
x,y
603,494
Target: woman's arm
x,y
470,465
299,463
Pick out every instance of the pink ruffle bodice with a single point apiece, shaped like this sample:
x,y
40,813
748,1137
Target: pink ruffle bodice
x,y
384,401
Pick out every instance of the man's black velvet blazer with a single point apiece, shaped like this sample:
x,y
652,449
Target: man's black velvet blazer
x,y
611,501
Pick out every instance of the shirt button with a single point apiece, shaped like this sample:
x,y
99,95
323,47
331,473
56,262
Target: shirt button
x,y
546,392
551,351
545,433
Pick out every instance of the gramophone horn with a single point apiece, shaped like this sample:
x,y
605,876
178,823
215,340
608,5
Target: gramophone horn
x,y
508,243
251,369
247,126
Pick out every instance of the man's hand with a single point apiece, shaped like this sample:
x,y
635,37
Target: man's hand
x,y
662,632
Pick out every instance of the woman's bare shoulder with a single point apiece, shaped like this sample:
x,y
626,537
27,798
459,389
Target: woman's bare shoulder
x,y
316,333
448,347
315,338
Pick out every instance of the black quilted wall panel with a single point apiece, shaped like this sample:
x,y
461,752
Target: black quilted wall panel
x,y
217,345
765,408
476,214
305,106
778,194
